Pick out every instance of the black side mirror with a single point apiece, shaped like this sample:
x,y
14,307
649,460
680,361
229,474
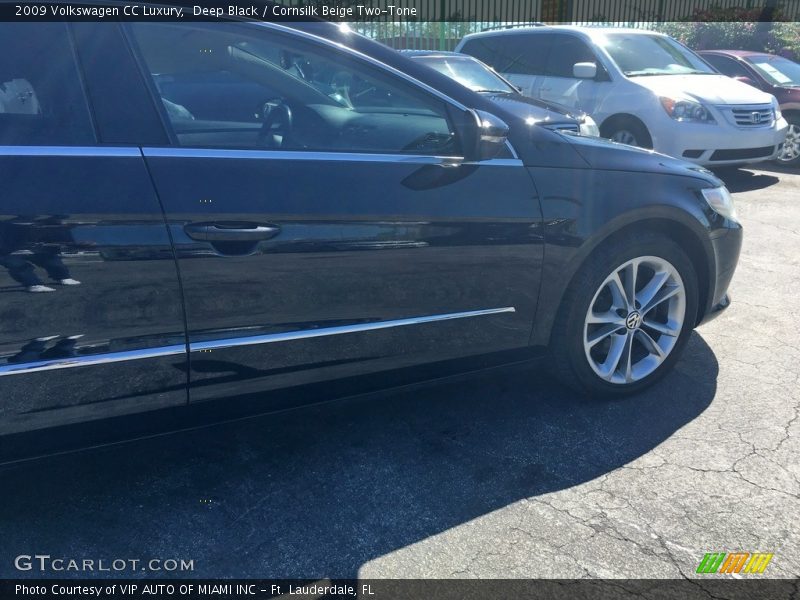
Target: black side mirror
x,y
484,135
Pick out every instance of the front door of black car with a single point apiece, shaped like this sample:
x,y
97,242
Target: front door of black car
x,y
323,222
91,321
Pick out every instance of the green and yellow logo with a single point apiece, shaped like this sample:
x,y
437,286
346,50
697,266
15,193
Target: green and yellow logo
x,y
736,562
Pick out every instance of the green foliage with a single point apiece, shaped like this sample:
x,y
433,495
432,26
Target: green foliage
x,y
778,37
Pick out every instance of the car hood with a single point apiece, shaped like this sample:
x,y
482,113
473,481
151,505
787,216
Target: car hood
x,y
709,89
604,154
541,112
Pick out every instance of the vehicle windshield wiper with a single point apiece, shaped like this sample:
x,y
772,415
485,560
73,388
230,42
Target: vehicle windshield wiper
x,y
488,91
652,73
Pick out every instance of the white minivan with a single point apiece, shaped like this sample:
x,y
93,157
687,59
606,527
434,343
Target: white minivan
x,y
643,88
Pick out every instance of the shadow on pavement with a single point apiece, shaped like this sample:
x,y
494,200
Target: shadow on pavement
x,y
317,492
739,180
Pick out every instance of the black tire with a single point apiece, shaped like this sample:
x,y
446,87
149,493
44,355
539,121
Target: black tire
x,y
616,126
569,362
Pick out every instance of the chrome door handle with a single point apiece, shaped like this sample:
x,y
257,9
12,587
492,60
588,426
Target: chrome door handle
x,y
233,232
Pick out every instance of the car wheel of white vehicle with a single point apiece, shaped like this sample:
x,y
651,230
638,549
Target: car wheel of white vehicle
x,y
626,317
627,131
789,153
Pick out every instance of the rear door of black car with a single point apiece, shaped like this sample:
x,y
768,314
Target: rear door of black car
x,y
355,240
90,309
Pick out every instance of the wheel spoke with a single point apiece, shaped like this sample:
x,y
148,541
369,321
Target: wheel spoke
x,y
609,367
663,328
650,344
626,356
618,292
648,292
665,293
602,333
631,270
609,317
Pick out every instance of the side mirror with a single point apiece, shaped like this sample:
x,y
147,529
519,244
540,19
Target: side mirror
x,y
584,70
487,137
747,80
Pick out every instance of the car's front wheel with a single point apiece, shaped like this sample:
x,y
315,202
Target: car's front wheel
x,y
789,152
626,316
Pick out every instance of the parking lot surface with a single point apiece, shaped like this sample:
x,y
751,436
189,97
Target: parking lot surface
x,y
503,474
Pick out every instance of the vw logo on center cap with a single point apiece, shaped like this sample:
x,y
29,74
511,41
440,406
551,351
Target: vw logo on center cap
x,y
634,320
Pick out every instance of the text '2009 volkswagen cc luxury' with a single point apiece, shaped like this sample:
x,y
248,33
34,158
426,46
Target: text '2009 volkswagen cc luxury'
x,y
194,211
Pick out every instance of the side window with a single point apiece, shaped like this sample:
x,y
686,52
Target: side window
x,y
521,54
41,95
237,86
482,48
566,51
726,66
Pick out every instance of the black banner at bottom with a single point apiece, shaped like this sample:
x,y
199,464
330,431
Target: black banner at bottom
x,y
405,589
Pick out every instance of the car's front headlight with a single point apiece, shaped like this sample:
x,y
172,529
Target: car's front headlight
x,y
589,127
721,201
687,111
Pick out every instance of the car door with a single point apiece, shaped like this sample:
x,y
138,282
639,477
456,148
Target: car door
x,y
559,83
92,322
323,220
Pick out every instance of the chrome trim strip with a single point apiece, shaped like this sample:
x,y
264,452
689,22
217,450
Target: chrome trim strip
x,y
177,349
172,152
326,331
413,159
512,150
88,361
106,151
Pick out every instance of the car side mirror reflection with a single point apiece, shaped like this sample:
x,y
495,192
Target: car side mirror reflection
x,y
747,80
584,70
485,137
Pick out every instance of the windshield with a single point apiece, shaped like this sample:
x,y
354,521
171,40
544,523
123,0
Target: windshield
x,y
776,69
468,72
638,55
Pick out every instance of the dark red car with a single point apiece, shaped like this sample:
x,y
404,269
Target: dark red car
x,y
776,75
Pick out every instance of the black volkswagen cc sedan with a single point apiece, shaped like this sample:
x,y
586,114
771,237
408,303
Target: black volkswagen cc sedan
x,y
193,211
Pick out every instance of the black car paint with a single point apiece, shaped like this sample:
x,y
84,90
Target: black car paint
x,y
490,236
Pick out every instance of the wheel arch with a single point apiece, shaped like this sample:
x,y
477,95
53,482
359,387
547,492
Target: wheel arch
x,y
612,120
677,228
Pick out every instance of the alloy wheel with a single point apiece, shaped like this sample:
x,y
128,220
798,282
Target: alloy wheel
x,y
634,320
623,136
791,146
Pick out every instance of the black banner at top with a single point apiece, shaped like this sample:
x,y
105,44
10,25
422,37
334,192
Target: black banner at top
x,y
501,12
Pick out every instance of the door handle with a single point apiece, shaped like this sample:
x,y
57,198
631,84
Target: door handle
x,y
233,232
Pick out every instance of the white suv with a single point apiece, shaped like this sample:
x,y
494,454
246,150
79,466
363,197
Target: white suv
x,y
642,88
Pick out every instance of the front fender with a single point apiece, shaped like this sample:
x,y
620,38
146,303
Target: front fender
x,y
584,209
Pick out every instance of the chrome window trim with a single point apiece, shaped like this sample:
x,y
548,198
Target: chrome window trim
x,y
256,340
173,152
105,151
